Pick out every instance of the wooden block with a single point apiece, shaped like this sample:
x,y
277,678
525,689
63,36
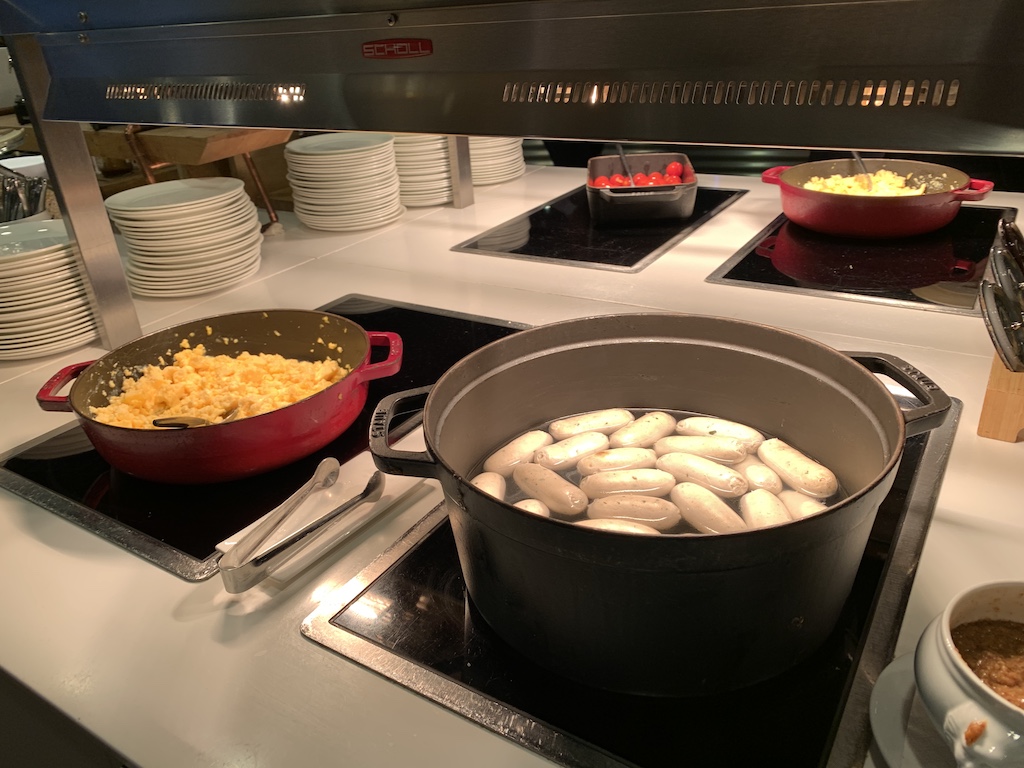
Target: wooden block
x,y
1002,413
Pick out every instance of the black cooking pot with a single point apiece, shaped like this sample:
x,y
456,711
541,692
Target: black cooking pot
x,y
672,614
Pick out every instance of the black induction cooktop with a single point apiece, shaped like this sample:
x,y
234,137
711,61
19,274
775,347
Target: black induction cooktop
x,y
176,527
561,231
408,617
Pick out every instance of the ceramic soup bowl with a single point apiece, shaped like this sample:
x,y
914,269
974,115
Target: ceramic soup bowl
x,y
982,728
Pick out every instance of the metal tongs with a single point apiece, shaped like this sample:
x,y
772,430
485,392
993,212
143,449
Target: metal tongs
x,y
245,565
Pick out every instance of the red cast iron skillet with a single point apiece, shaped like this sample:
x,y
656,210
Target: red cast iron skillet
x,y
875,216
234,449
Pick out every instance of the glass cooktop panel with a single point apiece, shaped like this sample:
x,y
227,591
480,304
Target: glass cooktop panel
x,y
561,231
178,527
938,271
409,618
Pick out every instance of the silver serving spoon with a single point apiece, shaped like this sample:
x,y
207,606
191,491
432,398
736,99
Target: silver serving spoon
x,y
187,422
862,175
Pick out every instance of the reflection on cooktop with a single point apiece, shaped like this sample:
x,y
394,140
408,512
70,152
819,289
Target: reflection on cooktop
x,y
938,271
561,231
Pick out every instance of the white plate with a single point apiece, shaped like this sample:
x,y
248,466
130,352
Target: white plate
x,y
43,310
338,143
902,731
348,225
170,225
199,272
199,244
58,274
174,195
48,335
156,216
26,298
49,263
192,289
50,348
20,237
352,212
198,256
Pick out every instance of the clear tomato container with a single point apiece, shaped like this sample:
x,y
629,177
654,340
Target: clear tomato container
x,y
610,205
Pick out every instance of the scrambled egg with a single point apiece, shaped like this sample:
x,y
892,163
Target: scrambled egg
x,y
883,184
197,384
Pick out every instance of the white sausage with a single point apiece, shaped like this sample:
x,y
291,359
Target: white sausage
x,y
645,431
491,483
707,425
685,467
800,505
761,508
661,514
564,454
726,450
759,474
798,471
606,421
561,496
646,482
534,507
617,458
517,451
704,510
618,526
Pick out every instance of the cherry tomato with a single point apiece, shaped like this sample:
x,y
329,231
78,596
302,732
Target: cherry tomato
x,y
675,168
640,180
670,179
618,180
600,181
656,178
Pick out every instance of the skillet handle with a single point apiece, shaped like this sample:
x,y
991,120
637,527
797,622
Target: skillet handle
x,y
388,459
390,365
771,176
935,403
47,396
976,189
766,247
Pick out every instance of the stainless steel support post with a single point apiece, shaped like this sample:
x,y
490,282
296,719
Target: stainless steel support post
x,y
462,173
73,177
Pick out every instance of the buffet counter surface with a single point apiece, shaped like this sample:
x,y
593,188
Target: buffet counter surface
x,y
170,673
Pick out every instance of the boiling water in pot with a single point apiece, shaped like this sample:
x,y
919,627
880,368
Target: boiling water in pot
x,y
651,471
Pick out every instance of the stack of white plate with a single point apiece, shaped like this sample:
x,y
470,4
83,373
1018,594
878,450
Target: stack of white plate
x,y
423,170
187,236
44,308
495,159
344,182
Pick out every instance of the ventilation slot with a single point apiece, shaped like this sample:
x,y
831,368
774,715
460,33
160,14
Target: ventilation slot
x,y
282,92
764,93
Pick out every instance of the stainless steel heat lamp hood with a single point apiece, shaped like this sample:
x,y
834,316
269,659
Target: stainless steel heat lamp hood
x,y
927,75
907,75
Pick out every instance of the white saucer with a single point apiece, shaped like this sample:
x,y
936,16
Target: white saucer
x,y
903,733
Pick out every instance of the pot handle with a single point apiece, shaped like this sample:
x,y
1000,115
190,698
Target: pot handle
x,y
390,365
47,396
771,176
976,189
388,459
935,403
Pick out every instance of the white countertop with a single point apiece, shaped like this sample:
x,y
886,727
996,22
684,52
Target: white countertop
x,y
171,673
